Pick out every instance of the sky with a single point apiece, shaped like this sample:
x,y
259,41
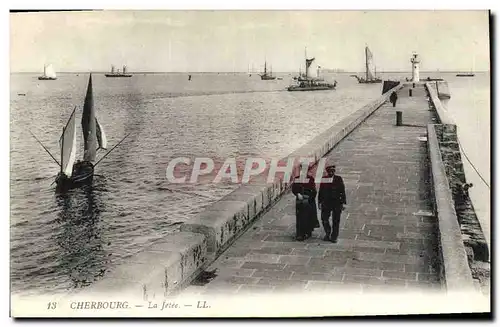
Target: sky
x,y
227,41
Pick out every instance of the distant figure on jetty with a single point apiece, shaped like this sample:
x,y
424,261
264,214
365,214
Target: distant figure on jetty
x,y
331,201
393,98
305,206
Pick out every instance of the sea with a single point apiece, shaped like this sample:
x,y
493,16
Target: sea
x,y
62,242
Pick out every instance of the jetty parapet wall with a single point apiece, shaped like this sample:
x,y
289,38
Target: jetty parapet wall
x,y
464,249
175,260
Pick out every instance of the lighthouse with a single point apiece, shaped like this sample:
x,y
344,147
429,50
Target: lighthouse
x,y
415,62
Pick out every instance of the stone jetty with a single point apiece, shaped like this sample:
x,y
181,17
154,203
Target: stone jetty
x,y
403,231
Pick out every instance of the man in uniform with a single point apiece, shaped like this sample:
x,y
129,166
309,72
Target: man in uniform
x,y
331,201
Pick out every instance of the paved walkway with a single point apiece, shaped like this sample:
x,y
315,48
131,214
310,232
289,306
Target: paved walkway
x,y
387,238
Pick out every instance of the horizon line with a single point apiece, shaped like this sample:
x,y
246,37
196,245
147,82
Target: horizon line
x,y
332,70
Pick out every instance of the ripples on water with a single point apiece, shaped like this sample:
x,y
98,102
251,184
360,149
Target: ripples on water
x,y
61,243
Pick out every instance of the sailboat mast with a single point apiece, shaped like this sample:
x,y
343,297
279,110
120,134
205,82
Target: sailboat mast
x,y
305,56
366,62
44,70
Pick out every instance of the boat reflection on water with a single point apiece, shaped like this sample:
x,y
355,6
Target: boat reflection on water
x,y
83,258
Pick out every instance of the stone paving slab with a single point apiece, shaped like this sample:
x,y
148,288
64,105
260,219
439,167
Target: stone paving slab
x,y
388,236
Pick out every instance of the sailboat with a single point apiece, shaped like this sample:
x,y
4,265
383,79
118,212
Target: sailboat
x,y
470,74
117,73
267,76
302,76
310,83
49,73
76,173
371,73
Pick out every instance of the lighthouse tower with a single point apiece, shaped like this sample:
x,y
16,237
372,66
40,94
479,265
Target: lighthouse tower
x,y
415,62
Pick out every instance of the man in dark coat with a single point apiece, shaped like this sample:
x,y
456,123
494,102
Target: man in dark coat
x,y
331,201
393,98
305,206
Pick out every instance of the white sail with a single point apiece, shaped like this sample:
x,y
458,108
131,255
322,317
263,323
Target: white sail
x,y
67,143
370,66
101,136
49,71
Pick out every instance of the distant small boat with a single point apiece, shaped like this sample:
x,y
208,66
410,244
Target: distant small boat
x,y
267,76
21,94
305,82
370,77
117,73
48,74
301,78
465,75
312,87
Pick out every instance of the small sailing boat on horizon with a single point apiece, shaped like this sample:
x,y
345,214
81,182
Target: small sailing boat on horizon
x,y
117,73
75,173
301,77
265,76
307,82
49,73
370,70
470,74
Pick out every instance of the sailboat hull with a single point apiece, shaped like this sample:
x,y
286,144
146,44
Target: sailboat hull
x,y
83,174
46,78
267,77
370,81
361,80
118,75
311,87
